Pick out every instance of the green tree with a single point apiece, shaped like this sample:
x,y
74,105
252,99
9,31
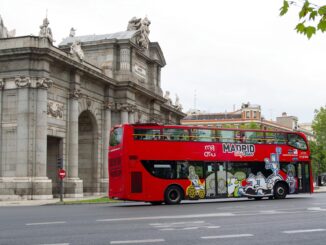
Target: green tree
x,y
251,125
318,148
312,17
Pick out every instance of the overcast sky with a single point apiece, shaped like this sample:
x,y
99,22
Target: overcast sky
x,y
225,51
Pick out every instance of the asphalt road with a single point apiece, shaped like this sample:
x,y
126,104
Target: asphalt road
x,y
299,219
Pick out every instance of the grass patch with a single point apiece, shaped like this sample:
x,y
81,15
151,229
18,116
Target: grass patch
x,y
90,201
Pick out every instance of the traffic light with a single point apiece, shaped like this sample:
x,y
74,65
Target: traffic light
x,y
59,162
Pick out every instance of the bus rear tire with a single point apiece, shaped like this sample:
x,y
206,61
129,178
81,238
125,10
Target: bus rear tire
x,y
280,190
173,195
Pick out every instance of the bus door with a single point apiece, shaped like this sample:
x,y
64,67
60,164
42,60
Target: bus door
x,y
215,184
303,177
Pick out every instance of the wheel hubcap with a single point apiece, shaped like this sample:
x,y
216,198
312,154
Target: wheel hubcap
x,y
280,191
173,195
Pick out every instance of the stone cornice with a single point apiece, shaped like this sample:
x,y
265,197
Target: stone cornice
x,y
140,89
35,45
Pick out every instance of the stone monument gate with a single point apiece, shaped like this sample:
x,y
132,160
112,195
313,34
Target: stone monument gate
x,y
60,103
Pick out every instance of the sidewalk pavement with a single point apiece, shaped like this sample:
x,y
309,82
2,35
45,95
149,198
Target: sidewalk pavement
x,y
43,202
318,189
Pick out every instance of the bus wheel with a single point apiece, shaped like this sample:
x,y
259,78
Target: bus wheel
x,y
280,191
156,203
173,195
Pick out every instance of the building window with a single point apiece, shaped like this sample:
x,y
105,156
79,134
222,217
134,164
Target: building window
x,y
255,114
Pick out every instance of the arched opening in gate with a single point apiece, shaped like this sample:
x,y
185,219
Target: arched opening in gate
x,y
54,157
88,152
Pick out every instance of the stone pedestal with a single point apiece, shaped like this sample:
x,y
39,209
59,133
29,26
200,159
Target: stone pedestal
x,y
25,188
104,186
73,187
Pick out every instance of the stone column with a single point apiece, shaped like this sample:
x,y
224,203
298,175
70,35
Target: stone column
x,y
124,114
42,185
132,116
41,127
73,135
73,185
23,84
106,129
2,85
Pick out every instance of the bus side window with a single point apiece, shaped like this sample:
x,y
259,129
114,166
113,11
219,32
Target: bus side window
x,y
297,141
147,134
227,136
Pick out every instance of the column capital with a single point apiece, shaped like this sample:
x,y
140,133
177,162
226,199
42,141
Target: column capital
x,y
75,94
108,105
23,82
2,83
126,107
44,83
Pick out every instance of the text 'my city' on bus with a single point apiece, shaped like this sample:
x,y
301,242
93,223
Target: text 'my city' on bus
x,y
156,163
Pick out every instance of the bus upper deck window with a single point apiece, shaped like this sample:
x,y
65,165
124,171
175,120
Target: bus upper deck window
x,y
147,134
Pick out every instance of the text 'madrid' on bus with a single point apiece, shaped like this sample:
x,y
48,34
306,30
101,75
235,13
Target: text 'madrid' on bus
x,y
156,163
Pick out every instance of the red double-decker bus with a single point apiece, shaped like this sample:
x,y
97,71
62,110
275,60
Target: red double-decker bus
x,y
156,163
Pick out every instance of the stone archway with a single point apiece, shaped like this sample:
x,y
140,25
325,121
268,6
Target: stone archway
x,y
88,153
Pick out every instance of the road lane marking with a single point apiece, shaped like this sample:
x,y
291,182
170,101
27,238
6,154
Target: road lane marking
x,y
303,231
47,223
190,228
167,225
316,209
210,215
55,244
137,241
227,236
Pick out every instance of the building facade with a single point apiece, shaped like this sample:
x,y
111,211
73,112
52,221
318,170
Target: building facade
x,y
248,116
59,103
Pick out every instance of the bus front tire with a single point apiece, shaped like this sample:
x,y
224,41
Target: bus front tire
x,y
280,190
173,195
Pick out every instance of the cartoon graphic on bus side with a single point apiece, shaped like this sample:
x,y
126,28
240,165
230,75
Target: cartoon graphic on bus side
x,y
196,189
258,185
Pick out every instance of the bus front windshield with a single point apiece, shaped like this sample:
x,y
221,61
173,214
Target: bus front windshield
x,y
116,137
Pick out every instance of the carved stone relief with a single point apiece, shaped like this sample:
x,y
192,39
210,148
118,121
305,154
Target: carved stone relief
x,y
55,109
109,105
23,82
75,94
44,83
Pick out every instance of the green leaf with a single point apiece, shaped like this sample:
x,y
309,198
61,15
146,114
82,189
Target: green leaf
x,y
322,25
322,10
309,31
313,15
284,9
300,28
305,10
